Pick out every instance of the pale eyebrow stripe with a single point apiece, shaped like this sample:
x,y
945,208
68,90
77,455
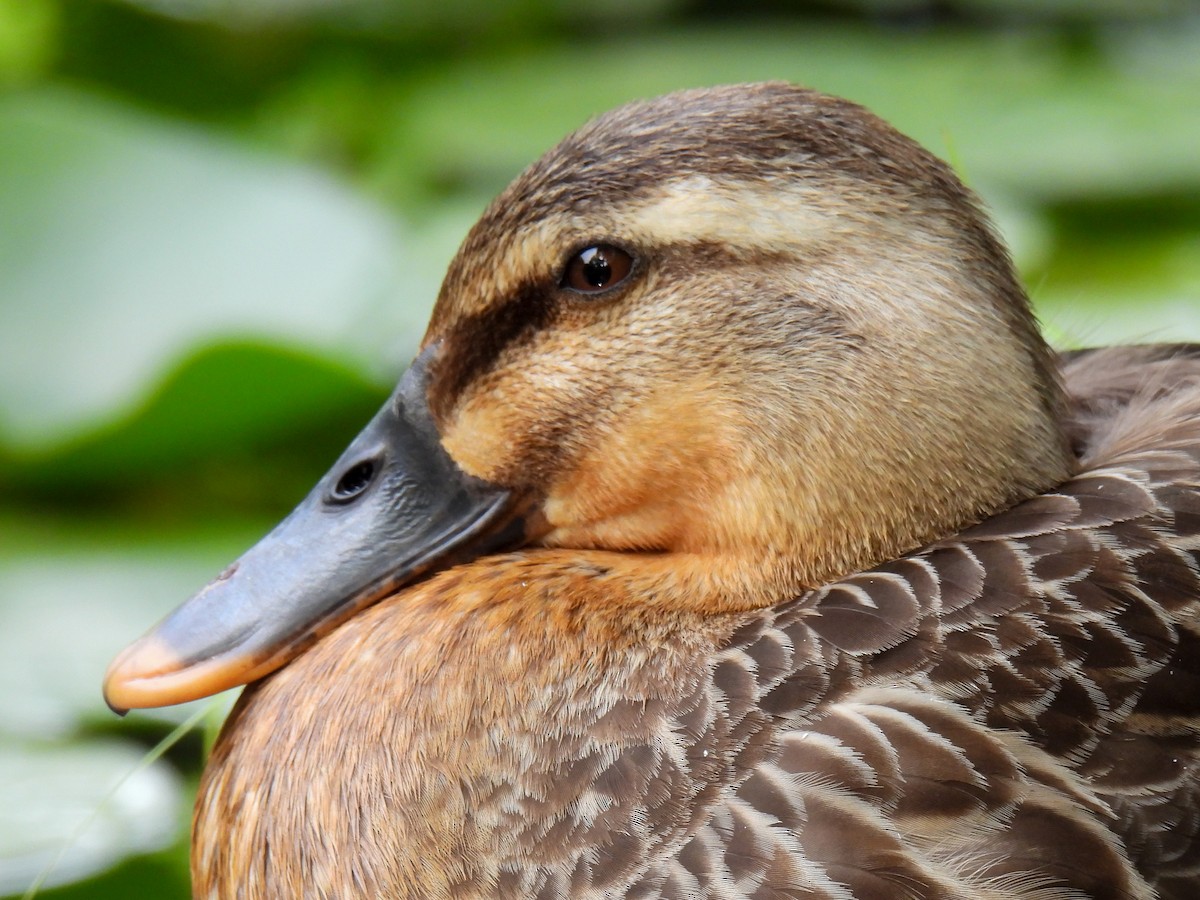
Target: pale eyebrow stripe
x,y
774,216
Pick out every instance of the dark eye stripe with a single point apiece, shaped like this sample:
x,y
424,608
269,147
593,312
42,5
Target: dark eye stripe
x,y
471,349
478,340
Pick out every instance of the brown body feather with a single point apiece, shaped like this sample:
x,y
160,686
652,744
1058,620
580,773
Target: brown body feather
x,y
822,607
1012,712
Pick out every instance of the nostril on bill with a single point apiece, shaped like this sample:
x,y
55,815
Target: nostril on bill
x,y
354,481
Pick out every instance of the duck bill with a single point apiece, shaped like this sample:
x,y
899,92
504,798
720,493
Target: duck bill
x,y
394,507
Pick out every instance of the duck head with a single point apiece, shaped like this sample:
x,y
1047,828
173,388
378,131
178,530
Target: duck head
x,y
752,335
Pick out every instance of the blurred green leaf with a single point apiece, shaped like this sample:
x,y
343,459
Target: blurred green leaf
x,y
242,421
71,596
60,804
1026,113
407,17
130,241
1123,289
28,39
161,876
1079,9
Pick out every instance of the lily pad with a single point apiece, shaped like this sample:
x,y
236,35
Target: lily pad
x,y
249,424
69,603
132,240
1025,112
77,809
1124,291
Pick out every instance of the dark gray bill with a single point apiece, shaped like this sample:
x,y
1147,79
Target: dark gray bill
x,y
394,506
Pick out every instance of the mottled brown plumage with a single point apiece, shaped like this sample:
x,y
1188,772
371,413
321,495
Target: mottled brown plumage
x,y
838,584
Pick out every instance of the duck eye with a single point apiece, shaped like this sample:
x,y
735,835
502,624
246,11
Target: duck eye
x,y
597,269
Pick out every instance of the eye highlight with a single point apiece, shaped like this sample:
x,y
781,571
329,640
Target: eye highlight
x,y
596,269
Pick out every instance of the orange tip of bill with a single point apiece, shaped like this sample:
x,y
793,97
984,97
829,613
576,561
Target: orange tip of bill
x,y
149,673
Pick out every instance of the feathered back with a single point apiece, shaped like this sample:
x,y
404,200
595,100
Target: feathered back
x,y
1006,713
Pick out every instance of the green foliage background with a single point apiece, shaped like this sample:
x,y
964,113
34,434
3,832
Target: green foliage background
x,y
223,222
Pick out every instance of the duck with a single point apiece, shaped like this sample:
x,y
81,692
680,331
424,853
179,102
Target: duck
x,y
734,534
